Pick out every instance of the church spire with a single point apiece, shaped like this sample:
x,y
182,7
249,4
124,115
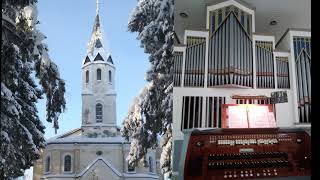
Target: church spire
x,y
97,7
96,44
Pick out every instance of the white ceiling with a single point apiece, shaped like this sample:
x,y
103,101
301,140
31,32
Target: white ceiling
x,y
288,14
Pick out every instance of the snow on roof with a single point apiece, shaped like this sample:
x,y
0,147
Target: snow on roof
x,y
67,134
87,140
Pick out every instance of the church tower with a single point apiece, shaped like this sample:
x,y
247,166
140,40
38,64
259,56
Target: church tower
x,y
98,84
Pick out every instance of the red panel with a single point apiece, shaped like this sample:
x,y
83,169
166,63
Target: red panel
x,y
250,153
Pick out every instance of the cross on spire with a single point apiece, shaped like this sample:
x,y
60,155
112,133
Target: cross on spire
x,y
97,8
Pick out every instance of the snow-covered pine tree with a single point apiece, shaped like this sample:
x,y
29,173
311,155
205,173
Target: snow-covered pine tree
x,y
150,115
24,58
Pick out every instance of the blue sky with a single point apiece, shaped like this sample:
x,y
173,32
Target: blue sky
x,y
68,25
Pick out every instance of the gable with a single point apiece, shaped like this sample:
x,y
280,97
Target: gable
x,y
99,168
87,60
110,60
98,44
98,58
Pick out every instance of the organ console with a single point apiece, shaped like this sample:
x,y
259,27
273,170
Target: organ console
x,y
245,154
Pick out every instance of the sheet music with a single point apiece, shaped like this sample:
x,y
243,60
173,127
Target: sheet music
x,y
258,117
237,117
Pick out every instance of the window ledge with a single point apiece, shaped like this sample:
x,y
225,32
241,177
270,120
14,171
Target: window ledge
x,y
67,172
302,124
131,172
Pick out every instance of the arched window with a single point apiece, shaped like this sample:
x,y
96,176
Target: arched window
x,y
47,165
67,163
99,112
98,74
131,169
150,164
110,76
87,76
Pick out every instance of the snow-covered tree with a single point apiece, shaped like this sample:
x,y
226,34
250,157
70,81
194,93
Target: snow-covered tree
x,y
24,59
150,116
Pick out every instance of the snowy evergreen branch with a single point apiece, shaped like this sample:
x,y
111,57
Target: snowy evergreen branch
x,y
23,55
151,113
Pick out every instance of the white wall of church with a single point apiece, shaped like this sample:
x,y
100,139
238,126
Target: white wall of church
x,y
84,154
98,91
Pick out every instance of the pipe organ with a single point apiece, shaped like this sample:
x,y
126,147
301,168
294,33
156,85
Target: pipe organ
x,y
282,72
195,62
231,64
302,52
264,65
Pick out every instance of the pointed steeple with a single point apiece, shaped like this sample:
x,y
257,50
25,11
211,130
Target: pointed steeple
x,y
96,44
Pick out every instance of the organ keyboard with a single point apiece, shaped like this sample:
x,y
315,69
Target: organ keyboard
x,y
246,154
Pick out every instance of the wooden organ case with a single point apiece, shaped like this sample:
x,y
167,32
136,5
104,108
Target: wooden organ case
x,y
246,154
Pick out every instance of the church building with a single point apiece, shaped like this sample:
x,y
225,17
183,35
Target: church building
x,y
96,150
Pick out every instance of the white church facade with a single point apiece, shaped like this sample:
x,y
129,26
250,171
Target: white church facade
x,y
96,150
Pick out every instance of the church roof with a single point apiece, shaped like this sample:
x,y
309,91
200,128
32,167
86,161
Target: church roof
x,y
87,140
96,36
75,136
97,49
98,58
87,59
109,60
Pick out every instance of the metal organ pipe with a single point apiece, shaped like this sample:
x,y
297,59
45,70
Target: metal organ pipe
x,y
231,50
222,48
238,53
300,93
219,58
230,55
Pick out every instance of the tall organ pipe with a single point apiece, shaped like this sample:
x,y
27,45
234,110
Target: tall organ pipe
x,y
300,88
230,55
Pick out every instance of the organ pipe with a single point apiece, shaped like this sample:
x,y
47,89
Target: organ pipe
x,y
303,64
195,62
282,72
229,54
177,68
264,65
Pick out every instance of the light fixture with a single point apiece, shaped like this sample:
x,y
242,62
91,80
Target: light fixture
x,y
273,23
183,15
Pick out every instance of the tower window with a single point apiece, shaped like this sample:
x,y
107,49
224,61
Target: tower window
x,y
67,163
98,74
87,76
150,164
47,166
99,112
131,168
110,76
